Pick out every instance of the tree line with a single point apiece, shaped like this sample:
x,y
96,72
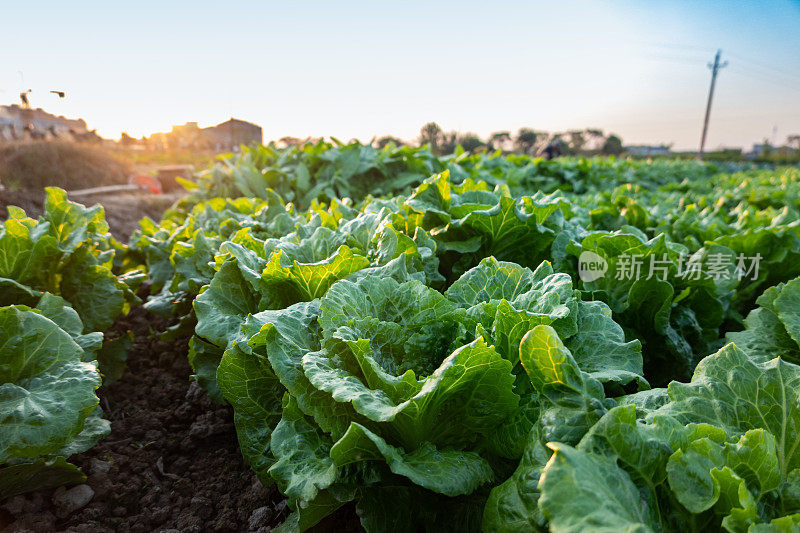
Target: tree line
x,y
585,142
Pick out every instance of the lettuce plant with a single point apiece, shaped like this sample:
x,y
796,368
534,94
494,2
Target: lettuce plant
x,y
436,358
58,294
385,382
719,452
48,407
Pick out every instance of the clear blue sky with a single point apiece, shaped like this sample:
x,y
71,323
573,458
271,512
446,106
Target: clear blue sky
x,y
353,69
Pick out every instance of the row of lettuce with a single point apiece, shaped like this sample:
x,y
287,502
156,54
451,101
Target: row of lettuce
x,y
436,358
324,171
59,292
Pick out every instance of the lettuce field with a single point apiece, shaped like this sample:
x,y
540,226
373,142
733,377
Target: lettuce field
x,y
477,342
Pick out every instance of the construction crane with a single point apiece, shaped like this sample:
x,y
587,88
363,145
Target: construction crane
x,y
23,97
27,112
26,102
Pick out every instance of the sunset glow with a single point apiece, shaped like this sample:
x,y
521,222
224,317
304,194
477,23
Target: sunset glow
x,y
638,69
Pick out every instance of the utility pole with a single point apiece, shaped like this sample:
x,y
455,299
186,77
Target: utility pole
x,y
715,68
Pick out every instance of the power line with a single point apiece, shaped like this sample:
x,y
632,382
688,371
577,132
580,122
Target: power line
x,y
677,46
686,60
715,68
765,66
764,78
740,69
779,78
705,49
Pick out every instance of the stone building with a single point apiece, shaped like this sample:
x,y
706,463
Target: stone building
x,y
232,133
17,122
224,137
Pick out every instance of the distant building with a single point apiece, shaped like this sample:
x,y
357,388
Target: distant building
x,y
16,122
231,134
225,137
766,149
759,150
643,150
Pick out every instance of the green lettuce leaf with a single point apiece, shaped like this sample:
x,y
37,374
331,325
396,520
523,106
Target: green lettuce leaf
x,y
47,391
583,492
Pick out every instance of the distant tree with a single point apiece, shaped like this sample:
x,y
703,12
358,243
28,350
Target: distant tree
x,y
766,148
612,146
471,142
498,140
386,139
557,140
289,141
576,140
596,139
448,143
525,140
431,134
127,140
793,139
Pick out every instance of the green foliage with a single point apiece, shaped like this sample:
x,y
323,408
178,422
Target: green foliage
x,y
412,333
303,173
67,252
46,396
58,294
719,454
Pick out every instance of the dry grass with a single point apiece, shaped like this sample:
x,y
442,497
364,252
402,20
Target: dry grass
x,y
38,164
150,159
